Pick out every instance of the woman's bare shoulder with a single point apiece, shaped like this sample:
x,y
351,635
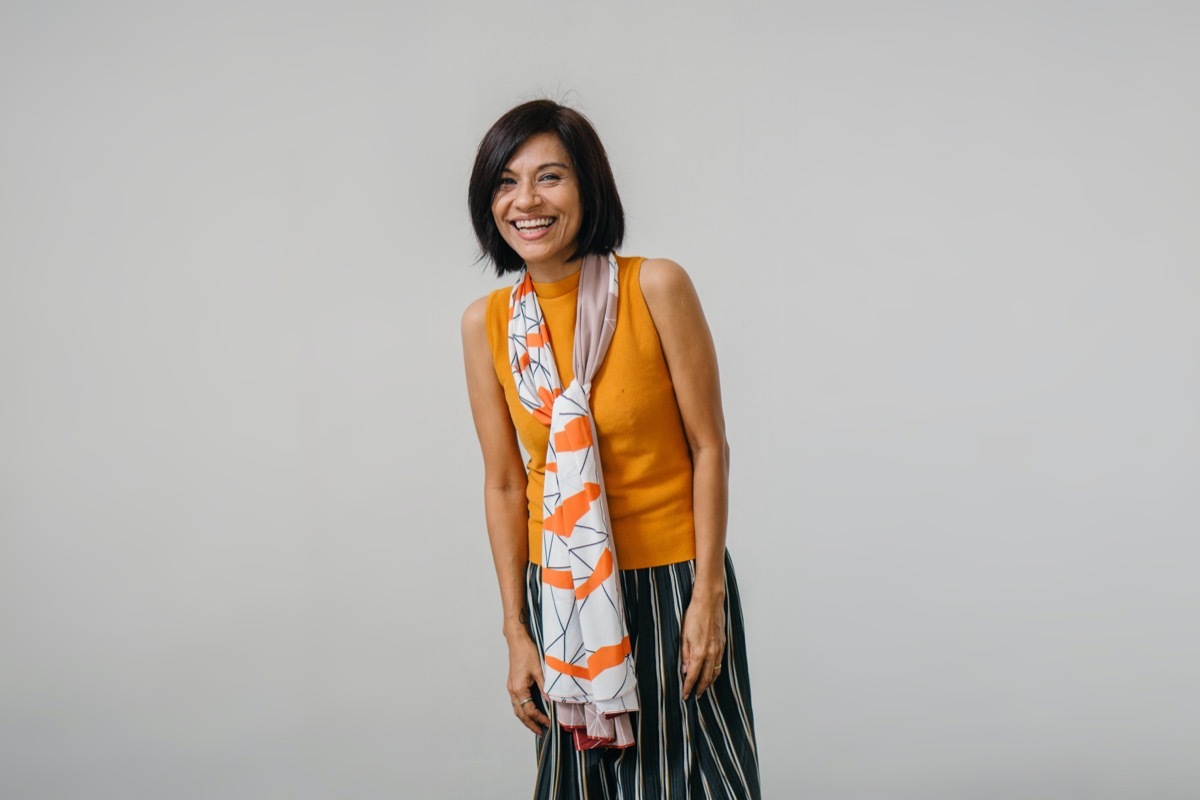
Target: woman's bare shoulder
x,y
664,281
474,319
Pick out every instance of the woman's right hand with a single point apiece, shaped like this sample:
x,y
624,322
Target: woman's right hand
x,y
525,678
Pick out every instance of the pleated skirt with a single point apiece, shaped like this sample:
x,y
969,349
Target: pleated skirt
x,y
684,749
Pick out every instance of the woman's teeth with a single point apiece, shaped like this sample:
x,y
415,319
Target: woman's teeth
x,y
533,224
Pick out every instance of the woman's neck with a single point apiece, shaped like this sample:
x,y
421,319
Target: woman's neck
x,y
549,273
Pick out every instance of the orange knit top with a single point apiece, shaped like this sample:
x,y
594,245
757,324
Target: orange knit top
x,y
643,448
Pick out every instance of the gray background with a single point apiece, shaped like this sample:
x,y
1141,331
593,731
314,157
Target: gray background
x,y
950,256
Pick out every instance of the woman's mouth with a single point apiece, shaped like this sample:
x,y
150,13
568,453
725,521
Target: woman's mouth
x,y
530,229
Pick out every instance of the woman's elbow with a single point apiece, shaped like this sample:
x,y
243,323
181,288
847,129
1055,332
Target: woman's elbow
x,y
505,481
713,452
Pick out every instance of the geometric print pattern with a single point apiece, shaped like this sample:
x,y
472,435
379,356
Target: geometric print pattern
x,y
587,658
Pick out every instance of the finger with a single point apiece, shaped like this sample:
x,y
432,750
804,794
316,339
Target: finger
x,y
537,716
709,677
691,674
715,667
532,708
527,719
528,723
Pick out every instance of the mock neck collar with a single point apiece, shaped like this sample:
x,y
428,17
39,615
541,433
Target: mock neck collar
x,y
549,291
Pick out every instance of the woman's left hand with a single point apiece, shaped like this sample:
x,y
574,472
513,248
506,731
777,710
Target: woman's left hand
x,y
703,642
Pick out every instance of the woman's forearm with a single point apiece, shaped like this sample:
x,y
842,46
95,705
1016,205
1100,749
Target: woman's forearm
x,y
507,524
710,503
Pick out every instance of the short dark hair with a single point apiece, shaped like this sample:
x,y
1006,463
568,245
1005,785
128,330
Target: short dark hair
x,y
603,225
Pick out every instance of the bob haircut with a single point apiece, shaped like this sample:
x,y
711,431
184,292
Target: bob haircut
x,y
603,226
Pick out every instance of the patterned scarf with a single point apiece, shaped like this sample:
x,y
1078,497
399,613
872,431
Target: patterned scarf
x,y
588,664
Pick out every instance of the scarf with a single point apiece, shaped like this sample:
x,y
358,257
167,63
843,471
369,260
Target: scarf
x,y
587,661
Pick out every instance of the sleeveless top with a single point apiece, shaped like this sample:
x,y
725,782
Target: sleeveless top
x,y
644,451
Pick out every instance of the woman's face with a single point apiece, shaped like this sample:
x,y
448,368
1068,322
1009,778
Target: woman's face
x,y
536,205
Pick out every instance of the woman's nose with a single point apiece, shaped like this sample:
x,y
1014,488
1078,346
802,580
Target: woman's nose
x,y
527,196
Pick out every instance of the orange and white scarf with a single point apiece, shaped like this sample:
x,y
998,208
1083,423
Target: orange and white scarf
x,y
588,664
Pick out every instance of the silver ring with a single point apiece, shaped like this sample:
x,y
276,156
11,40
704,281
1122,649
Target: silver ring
x,y
523,702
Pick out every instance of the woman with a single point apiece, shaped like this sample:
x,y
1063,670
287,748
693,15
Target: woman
x,y
621,613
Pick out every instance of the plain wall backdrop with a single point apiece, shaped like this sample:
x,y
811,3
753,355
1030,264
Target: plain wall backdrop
x,y
949,253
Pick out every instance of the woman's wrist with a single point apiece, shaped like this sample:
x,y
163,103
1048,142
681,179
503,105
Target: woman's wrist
x,y
516,627
709,590
709,581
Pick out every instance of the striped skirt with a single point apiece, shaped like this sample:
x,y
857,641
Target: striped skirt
x,y
684,749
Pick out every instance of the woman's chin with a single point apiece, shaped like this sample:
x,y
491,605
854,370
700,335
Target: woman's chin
x,y
541,252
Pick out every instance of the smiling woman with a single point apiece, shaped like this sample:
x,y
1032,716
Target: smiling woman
x,y
627,652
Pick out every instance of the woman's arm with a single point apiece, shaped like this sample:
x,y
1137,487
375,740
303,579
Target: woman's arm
x,y
692,361
505,509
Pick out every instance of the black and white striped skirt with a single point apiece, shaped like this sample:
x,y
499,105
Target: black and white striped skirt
x,y
684,749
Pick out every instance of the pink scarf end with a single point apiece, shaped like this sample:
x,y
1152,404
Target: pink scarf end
x,y
591,728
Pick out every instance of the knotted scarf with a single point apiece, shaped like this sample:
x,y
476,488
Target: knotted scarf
x,y
588,664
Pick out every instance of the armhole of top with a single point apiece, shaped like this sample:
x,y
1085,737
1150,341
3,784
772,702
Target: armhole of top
x,y
635,270
492,319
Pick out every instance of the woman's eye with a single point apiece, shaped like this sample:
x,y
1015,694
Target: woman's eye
x,y
549,176
505,182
